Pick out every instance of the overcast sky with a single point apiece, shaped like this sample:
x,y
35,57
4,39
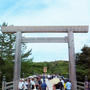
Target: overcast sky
x,y
48,12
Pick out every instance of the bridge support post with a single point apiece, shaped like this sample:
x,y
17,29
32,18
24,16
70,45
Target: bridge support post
x,y
72,68
17,63
4,83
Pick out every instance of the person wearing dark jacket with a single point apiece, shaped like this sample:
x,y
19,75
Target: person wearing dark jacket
x,y
59,85
43,85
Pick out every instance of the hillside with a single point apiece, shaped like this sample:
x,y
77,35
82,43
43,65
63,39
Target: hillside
x,y
57,67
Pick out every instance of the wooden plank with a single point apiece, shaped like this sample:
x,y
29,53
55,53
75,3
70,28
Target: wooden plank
x,y
9,87
9,83
81,87
45,40
80,83
17,65
44,29
72,68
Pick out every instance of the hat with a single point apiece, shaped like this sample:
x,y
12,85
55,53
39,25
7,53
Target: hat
x,y
23,79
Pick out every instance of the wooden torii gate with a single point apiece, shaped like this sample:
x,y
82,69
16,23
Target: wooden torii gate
x,y
45,29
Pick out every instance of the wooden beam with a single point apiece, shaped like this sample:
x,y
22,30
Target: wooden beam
x,y
44,29
45,40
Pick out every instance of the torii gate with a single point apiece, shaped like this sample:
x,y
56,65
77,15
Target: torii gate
x,y
45,29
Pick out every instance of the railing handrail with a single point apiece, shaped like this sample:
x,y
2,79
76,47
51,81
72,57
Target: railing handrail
x,y
81,83
9,83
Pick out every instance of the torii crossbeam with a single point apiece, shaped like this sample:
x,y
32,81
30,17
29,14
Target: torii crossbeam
x,y
45,29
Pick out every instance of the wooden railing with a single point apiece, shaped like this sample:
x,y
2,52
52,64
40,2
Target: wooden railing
x,y
7,85
80,86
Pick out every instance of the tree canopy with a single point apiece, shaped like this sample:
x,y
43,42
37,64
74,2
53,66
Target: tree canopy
x,y
83,63
7,54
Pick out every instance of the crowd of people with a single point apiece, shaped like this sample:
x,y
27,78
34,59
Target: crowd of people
x,y
32,83
39,83
63,84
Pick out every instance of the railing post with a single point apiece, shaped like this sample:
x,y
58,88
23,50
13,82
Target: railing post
x,y
4,83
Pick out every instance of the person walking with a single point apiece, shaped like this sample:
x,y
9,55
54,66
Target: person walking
x,y
64,85
39,82
60,85
68,85
21,84
43,85
86,84
43,76
32,84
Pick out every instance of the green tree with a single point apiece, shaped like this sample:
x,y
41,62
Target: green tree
x,y
7,45
7,53
82,63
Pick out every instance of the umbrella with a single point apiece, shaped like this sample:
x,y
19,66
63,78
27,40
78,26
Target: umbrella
x,y
54,81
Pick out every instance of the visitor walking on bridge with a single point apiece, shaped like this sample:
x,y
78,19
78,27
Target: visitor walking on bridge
x,y
43,85
68,85
32,84
59,85
21,84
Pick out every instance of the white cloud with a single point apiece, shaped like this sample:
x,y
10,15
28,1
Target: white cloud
x,y
76,13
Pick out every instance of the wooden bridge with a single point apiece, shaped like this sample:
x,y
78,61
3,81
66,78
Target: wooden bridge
x,y
9,85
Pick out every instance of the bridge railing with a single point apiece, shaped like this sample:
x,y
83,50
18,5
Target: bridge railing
x,y
80,86
7,85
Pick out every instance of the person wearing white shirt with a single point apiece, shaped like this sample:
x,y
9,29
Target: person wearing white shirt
x,y
25,87
62,81
26,83
32,84
21,85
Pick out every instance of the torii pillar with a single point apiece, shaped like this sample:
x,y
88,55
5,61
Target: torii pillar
x,y
17,65
72,68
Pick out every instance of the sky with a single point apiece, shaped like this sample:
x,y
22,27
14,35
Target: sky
x,y
48,13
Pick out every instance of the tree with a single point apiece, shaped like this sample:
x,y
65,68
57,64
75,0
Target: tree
x,y
7,53
83,63
7,47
